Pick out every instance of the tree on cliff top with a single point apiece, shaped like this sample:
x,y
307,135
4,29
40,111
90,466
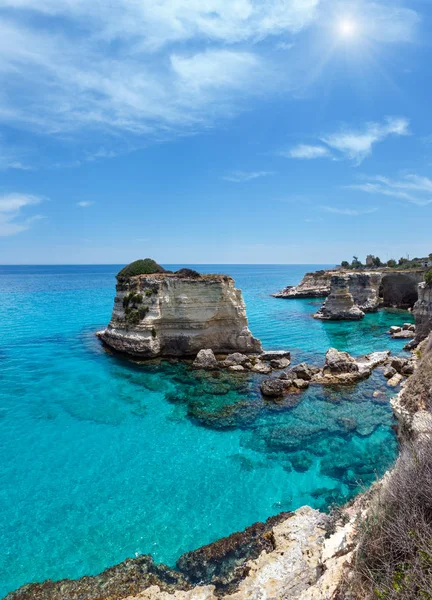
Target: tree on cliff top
x,y
146,266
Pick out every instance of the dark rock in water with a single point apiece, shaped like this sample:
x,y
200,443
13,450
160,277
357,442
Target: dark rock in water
x,y
223,563
302,371
301,462
339,362
129,578
301,384
274,388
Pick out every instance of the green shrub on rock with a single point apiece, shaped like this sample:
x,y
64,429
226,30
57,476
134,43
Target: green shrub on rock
x,y
146,266
428,277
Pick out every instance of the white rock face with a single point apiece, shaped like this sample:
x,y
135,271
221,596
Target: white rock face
x,y
423,312
176,315
303,566
340,305
313,285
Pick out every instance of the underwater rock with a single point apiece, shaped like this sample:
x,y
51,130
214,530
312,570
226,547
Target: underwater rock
x,y
126,579
205,360
177,314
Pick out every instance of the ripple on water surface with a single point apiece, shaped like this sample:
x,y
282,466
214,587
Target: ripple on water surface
x,y
102,459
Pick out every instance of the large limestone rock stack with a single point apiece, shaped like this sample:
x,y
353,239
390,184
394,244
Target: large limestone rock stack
x,y
340,304
423,313
159,313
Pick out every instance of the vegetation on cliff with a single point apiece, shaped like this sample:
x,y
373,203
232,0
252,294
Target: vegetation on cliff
x,y
374,262
394,559
146,266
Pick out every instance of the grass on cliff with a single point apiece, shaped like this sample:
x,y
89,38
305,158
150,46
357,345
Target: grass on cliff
x,y
146,266
394,558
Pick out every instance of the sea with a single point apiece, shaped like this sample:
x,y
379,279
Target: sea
x,y
102,459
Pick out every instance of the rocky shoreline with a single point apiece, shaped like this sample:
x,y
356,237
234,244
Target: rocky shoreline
x,y
352,294
305,555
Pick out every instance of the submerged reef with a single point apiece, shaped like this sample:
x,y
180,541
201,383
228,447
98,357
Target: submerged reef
x,y
158,313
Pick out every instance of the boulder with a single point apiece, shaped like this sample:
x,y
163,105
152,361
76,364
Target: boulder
x,y
339,362
405,334
236,368
261,367
205,360
303,371
280,363
236,359
394,329
273,388
395,380
389,372
301,384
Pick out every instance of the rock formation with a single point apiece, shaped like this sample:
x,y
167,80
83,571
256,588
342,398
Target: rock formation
x,y
365,290
297,556
340,303
423,312
177,314
313,285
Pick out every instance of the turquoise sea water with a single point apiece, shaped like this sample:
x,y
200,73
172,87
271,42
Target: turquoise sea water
x,y
102,459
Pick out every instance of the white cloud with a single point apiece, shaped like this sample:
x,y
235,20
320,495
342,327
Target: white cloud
x,y
349,212
412,188
11,206
356,145
85,203
351,144
243,176
141,67
304,151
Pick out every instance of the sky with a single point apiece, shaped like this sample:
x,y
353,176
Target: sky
x,y
214,131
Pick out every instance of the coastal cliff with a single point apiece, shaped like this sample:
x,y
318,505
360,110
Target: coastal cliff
x,y
313,285
354,294
340,304
178,314
423,312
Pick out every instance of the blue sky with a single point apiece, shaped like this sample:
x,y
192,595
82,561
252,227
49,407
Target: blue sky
x,y
214,131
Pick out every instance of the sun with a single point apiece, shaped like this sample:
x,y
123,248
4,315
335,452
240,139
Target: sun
x,y
347,28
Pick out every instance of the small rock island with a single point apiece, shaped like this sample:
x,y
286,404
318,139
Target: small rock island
x,y
158,313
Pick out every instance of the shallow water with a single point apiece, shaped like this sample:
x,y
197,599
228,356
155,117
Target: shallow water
x,y
101,459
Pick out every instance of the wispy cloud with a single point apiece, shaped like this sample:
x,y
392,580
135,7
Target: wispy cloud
x,y
136,67
351,144
85,203
356,145
349,212
243,176
412,188
306,152
11,207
